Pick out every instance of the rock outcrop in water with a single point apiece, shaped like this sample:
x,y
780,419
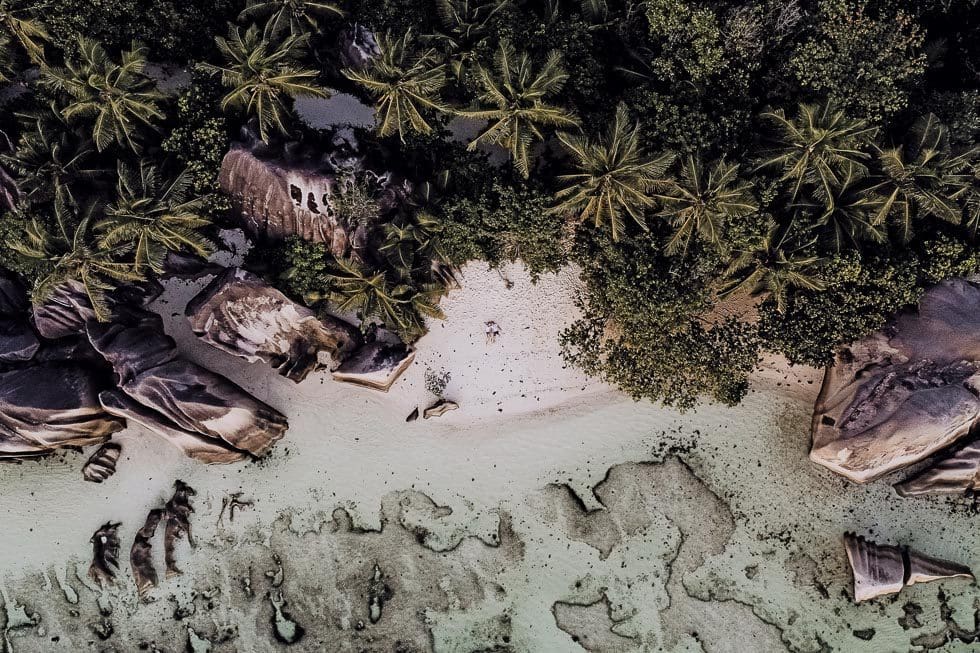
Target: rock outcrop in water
x,y
243,315
105,554
102,464
905,392
880,570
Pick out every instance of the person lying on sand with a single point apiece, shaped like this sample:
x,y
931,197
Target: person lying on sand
x,y
492,331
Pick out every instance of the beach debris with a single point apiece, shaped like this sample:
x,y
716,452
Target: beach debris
x,y
375,365
150,371
232,502
178,524
102,464
439,408
379,592
911,389
141,553
243,315
880,570
957,473
105,554
414,415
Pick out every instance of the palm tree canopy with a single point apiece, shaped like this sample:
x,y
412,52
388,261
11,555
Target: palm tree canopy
x,y
154,215
297,17
465,23
925,177
769,267
49,158
818,147
116,99
613,178
75,259
261,74
702,201
403,82
517,93
29,33
849,214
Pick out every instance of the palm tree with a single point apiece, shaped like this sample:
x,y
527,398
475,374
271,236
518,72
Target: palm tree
x,y
411,242
702,201
400,307
49,158
848,215
518,95
154,216
818,147
403,83
262,74
925,177
767,267
613,177
465,24
7,71
298,17
29,33
117,98
74,259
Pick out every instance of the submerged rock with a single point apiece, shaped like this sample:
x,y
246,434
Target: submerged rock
x,y
141,553
105,554
194,399
241,314
905,392
178,525
439,408
375,365
880,570
102,464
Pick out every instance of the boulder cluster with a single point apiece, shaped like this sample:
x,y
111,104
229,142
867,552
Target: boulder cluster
x,y
902,394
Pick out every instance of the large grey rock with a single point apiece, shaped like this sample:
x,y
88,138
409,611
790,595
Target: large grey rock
x,y
275,201
17,340
957,473
67,310
880,570
376,365
149,369
49,406
905,392
241,314
357,47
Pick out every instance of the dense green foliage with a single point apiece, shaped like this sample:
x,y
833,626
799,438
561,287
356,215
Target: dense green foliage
x,y
814,162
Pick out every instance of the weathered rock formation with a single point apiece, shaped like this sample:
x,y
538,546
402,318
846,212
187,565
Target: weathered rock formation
x,y
105,554
241,314
439,408
880,570
102,464
176,517
59,390
191,398
905,392
283,190
357,47
956,473
375,365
